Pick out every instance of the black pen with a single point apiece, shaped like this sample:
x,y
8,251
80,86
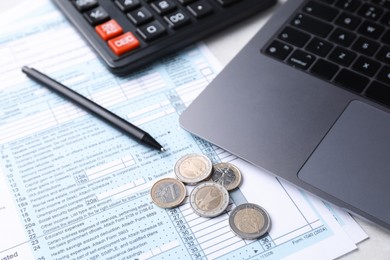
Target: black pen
x,y
92,107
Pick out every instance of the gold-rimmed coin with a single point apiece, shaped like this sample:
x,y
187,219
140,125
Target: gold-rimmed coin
x,y
226,174
249,221
168,193
209,199
193,168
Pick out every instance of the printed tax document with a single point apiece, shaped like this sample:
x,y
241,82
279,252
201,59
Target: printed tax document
x,y
71,187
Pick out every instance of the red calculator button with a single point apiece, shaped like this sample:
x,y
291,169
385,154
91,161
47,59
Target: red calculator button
x,y
124,43
109,29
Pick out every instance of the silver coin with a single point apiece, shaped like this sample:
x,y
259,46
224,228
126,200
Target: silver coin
x,y
168,193
226,174
249,221
209,199
193,168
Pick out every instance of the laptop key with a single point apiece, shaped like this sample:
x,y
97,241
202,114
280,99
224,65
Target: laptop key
x,y
351,80
365,46
384,54
293,36
370,11
342,56
301,59
321,11
384,75
319,47
324,69
386,37
348,5
371,30
348,21
278,50
379,92
386,19
366,66
342,37
311,25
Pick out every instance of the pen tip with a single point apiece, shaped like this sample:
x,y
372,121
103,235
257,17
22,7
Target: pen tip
x,y
162,149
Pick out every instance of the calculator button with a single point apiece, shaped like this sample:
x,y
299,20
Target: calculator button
x,y
151,30
83,5
140,16
163,6
109,30
127,5
177,19
123,43
200,9
97,16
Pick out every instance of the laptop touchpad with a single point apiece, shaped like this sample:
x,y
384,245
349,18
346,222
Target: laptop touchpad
x,y
353,160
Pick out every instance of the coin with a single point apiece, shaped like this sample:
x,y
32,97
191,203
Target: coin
x,y
209,199
168,193
249,221
193,168
226,174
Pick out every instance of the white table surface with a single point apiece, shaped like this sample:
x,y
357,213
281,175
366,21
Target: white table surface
x,y
224,46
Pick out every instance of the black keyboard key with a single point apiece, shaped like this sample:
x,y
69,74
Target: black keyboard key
x,y
186,2
140,16
127,5
386,37
384,75
278,50
370,11
319,47
84,5
348,5
324,69
151,30
348,21
293,36
379,92
200,9
328,1
365,46
177,19
163,6
384,3
384,54
320,10
386,19
97,16
342,37
371,30
311,25
301,59
227,2
342,56
351,80
366,66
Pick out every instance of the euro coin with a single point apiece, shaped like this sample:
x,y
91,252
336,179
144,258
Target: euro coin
x,y
226,174
168,193
193,168
209,199
249,221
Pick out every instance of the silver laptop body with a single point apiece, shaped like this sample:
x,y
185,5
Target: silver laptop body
x,y
321,137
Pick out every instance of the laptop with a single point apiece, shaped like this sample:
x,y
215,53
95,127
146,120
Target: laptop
x,y
308,100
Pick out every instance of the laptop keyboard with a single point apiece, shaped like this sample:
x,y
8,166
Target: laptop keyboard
x,y
346,42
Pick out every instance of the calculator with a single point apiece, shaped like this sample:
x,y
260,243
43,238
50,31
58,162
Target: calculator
x,y
129,34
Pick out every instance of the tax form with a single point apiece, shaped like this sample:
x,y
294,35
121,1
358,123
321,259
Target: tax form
x,y
71,187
